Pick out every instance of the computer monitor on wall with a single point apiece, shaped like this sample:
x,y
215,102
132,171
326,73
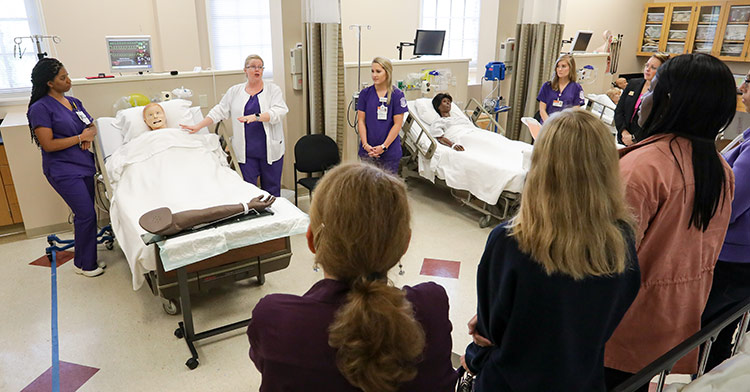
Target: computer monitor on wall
x,y
429,42
129,53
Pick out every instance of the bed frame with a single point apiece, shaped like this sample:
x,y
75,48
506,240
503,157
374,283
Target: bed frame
x,y
250,261
507,203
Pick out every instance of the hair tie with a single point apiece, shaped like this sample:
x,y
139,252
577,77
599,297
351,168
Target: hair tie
x,y
374,276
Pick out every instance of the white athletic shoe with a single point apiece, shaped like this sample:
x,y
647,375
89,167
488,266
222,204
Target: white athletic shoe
x,y
98,271
101,263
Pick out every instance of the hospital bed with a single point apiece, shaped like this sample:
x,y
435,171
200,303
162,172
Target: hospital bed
x,y
602,107
487,177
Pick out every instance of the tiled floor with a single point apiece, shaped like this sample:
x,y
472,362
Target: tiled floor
x,y
106,325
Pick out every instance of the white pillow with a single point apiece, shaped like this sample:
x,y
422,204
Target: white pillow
x,y
131,125
425,111
196,116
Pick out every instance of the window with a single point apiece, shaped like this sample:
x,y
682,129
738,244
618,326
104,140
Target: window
x,y
238,28
19,18
460,19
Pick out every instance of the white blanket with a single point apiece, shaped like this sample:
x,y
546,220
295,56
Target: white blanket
x,y
171,168
490,164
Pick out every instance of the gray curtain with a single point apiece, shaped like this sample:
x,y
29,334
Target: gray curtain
x,y
325,80
537,48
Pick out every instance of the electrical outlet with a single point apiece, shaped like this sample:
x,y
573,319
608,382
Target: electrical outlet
x,y
203,100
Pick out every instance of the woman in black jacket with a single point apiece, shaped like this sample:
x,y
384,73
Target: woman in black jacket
x,y
626,118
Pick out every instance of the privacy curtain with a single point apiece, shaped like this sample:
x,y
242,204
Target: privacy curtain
x,y
537,49
325,80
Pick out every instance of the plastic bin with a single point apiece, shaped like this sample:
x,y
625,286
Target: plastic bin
x,y
709,18
677,34
681,16
731,49
653,31
739,13
655,17
705,32
675,47
735,32
650,48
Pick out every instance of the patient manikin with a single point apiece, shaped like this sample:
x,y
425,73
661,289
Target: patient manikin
x,y
162,221
153,115
442,104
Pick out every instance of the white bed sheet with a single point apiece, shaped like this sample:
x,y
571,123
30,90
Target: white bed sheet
x,y
192,174
732,375
490,165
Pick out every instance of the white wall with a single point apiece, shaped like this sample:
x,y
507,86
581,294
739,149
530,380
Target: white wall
x,y
392,21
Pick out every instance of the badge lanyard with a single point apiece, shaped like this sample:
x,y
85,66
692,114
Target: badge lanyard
x,y
382,109
81,115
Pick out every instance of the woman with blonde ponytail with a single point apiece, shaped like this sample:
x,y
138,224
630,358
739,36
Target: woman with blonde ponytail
x,y
353,330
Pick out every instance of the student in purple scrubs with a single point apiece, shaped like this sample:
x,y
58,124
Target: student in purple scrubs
x,y
380,114
64,130
562,91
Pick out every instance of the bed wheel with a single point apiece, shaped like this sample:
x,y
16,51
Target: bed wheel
x,y
171,307
192,363
178,333
485,221
261,279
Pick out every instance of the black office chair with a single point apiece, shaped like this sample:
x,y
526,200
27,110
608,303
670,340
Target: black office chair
x,y
313,154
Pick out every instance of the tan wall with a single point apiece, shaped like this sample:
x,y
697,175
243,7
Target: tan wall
x,y
623,17
392,21
295,120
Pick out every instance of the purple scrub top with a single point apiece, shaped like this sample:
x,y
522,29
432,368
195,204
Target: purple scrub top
x,y
571,96
72,161
255,133
377,130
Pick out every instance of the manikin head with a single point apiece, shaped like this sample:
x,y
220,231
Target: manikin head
x,y
442,104
153,115
621,83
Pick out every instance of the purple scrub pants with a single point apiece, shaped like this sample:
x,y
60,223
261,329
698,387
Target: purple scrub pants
x,y
78,193
270,175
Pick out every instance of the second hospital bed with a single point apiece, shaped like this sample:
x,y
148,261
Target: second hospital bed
x,y
181,171
491,170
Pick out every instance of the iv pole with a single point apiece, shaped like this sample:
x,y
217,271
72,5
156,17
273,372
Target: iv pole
x,y
355,96
37,39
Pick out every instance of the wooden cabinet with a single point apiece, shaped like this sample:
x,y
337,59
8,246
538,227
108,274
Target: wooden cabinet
x,y
719,28
10,212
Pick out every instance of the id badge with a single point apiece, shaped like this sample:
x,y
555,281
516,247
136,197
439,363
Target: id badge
x,y
83,117
382,112
557,103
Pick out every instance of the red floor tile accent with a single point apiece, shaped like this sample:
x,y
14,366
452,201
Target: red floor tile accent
x,y
72,377
61,258
441,268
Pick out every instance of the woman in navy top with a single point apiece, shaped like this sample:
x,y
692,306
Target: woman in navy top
x,y
562,91
353,331
64,130
550,296
380,114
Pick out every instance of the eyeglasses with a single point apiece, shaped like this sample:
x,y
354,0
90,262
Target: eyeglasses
x,y
254,67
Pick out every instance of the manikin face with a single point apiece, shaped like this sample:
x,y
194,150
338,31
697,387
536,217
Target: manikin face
x,y
154,117
378,74
621,83
650,69
61,83
254,69
445,106
563,69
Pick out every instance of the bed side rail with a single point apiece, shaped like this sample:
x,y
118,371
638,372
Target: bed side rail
x,y
706,336
477,111
591,104
226,144
423,135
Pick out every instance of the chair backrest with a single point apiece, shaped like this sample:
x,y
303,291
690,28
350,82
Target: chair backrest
x,y
315,153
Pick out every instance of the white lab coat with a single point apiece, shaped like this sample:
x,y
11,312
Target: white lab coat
x,y
232,106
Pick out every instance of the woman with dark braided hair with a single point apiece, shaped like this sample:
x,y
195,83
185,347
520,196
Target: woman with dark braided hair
x,y
353,331
63,130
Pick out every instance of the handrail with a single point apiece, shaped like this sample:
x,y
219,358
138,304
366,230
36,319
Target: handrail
x,y
664,364
412,119
480,109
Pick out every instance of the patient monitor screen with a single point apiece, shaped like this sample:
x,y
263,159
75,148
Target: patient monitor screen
x,y
129,53
429,42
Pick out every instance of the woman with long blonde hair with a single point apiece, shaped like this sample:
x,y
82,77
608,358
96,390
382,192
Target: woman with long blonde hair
x,y
555,281
562,91
380,113
354,331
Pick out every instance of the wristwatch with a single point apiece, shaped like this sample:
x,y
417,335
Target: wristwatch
x,y
384,147
257,116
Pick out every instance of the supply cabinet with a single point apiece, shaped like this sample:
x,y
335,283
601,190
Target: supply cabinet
x,y
10,212
719,28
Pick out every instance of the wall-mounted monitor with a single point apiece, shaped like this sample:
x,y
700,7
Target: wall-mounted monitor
x,y
581,41
129,53
429,42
